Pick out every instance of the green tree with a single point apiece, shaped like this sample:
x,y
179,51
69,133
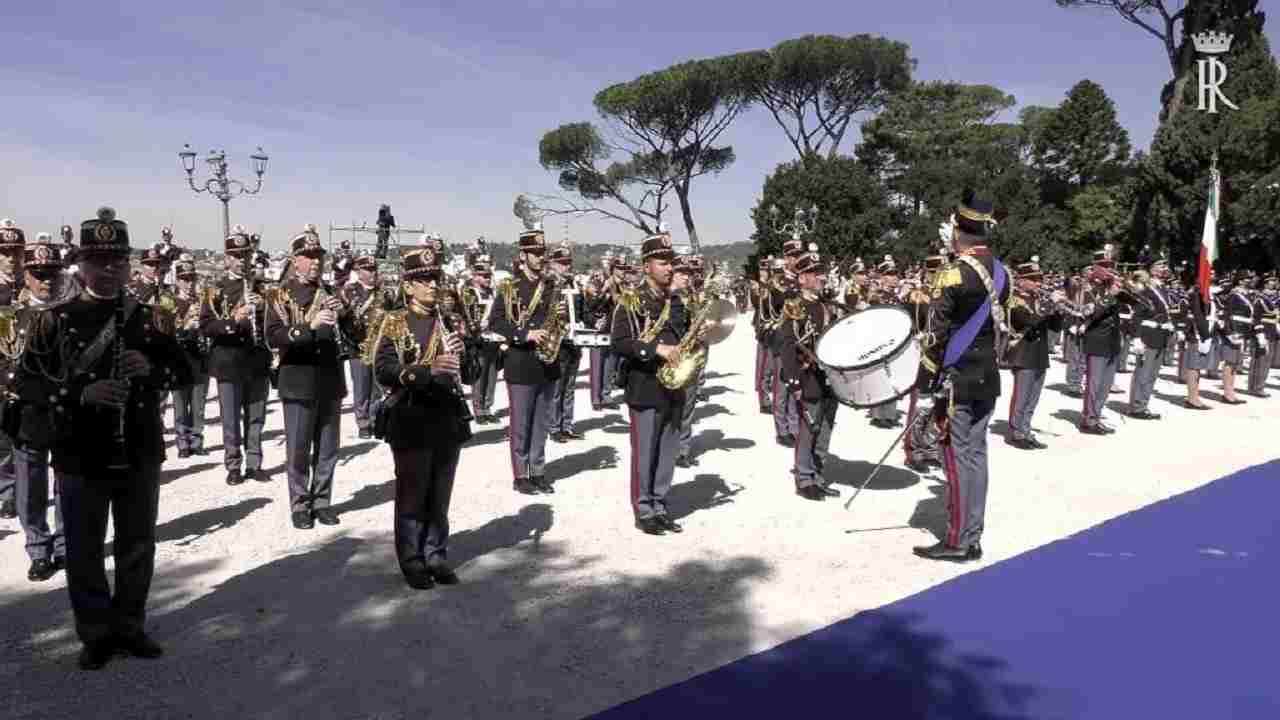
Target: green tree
x,y
815,85
1081,142
853,215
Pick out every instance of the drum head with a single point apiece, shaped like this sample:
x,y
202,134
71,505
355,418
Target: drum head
x,y
865,338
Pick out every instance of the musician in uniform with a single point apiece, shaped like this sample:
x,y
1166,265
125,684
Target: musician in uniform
x,y
423,361
1073,335
560,422
478,298
1101,345
685,299
959,369
885,415
600,296
366,299
96,403
806,318
1030,322
762,318
786,418
920,444
1153,324
1271,316
528,305
189,400
12,244
1264,337
305,321
647,327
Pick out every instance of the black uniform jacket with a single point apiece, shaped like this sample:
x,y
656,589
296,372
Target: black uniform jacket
x,y
232,355
805,321
1240,324
310,363
423,408
357,298
957,294
51,377
191,341
521,365
1102,325
1032,351
1267,309
1197,319
1153,319
636,314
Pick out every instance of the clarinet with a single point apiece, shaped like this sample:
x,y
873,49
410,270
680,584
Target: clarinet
x,y
119,458
463,409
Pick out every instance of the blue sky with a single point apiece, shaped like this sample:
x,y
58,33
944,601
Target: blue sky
x,y
437,108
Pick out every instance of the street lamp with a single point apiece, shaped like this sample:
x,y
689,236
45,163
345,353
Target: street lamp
x,y
219,185
802,222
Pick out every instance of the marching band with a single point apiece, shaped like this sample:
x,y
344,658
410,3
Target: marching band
x,y
91,358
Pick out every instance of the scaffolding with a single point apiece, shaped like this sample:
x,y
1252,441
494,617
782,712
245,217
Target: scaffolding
x,y
364,237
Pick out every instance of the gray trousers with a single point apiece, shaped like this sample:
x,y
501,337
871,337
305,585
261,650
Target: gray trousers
x,y
1171,351
188,413
1143,382
424,487
786,418
482,391
611,362
33,471
311,429
686,417
1259,366
530,410
596,374
1099,373
764,375
8,475
362,390
886,411
560,418
243,407
1275,353
1122,362
132,498
1073,352
1027,384
813,443
965,450
654,437
1054,337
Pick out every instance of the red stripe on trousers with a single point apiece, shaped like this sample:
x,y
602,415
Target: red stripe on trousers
x,y
953,485
1087,384
635,465
511,432
1012,399
759,369
907,445
804,430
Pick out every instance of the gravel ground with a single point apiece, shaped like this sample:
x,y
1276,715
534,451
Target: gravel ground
x,y
565,609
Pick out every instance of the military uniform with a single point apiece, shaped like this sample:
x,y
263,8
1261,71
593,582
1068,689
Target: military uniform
x,y
241,363
806,318
599,310
691,301
763,319
1238,328
1154,325
643,320
1030,323
108,460
476,301
311,386
12,241
1073,337
920,444
1262,345
786,416
1271,318
569,360
959,368
524,304
189,401
426,426
363,302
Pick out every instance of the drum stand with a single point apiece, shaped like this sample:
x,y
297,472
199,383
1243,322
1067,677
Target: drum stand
x,y
876,469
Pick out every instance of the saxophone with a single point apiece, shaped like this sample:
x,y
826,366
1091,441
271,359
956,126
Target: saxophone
x,y
690,355
554,326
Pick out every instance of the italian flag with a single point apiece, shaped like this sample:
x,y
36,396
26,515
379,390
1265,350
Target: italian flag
x,y
1209,240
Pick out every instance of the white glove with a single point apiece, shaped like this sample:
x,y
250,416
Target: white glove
x,y
1139,347
1204,346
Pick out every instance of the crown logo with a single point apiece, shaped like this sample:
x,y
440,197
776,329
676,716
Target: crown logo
x,y
1212,43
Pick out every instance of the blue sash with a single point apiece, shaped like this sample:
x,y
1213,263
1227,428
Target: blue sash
x,y
962,339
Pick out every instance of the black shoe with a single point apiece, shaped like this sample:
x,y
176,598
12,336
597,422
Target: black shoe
x,y
8,509
200,451
416,574
365,433
975,552
684,462
1035,443
943,551
41,570
59,563
786,441
94,655
325,516
1192,406
234,477
1106,428
139,645
302,520
442,573
559,437
650,526
810,492
540,483
827,490
1260,394
1093,430
1144,415
524,486
258,474
919,466
1021,443
766,410
669,525
574,435
183,453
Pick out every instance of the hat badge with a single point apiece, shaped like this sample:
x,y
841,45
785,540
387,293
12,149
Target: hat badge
x,y
105,232
241,241
428,257
42,254
9,235
666,241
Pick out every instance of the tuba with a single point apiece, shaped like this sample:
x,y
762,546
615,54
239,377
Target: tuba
x,y
712,323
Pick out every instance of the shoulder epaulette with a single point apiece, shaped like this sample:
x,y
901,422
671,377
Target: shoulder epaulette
x,y
947,277
630,299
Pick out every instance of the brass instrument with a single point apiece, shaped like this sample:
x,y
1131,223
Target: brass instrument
x,y
711,324
555,326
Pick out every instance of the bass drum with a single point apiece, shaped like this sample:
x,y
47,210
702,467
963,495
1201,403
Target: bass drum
x,y
870,357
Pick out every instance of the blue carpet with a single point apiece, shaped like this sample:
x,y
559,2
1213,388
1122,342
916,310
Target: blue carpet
x,y
1167,612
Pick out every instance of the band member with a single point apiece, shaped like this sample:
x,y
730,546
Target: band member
x,y
807,317
647,326
684,296
920,444
150,284
886,415
12,244
560,421
478,299
423,361
1263,341
302,323
103,399
1073,334
1101,346
959,369
1153,323
763,319
42,272
1030,321
527,319
786,417
600,297
189,400
366,300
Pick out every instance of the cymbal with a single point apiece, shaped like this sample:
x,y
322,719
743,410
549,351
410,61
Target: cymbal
x,y
722,315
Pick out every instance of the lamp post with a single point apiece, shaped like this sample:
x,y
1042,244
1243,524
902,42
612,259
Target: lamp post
x,y
802,222
219,185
